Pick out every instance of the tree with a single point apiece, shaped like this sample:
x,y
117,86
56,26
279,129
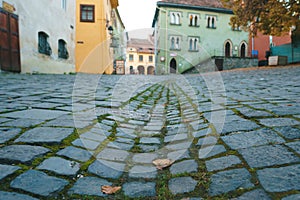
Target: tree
x,y
271,17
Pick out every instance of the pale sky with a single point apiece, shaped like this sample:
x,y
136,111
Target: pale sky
x,y
137,14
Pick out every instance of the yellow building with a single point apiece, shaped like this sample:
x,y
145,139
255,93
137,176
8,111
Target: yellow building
x,y
93,26
140,57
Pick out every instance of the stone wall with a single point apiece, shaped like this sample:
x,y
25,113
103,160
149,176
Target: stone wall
x,y
236,62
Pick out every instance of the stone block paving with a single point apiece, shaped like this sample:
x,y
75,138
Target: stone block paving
x,y
229,135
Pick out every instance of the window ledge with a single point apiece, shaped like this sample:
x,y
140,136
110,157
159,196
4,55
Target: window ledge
x,y
175,49
194,26
173,24
211,27
193,50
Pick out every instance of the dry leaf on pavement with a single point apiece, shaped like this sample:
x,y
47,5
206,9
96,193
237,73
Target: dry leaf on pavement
x,y
109,189
162,163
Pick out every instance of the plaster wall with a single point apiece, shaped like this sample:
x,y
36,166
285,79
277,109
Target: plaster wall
x,y
57,23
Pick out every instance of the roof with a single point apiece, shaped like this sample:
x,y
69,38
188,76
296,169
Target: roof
x,y
202,3
205,5
142,45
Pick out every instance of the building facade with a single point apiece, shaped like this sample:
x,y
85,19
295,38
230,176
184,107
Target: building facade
x,y
94,26
140,57
191,32
43,33
118,43
287,45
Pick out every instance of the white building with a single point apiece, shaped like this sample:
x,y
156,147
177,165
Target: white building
x,y
46,34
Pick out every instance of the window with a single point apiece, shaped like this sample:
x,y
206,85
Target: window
x,y
243,50
62,50
64,4
44,47
211,21
178,18
194,20
141,58
150,58
131,57
236,28
193,44
175,43
87,13
228,49
172,43
175,18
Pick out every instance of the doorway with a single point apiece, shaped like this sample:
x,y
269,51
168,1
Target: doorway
x,y
9,42
173,66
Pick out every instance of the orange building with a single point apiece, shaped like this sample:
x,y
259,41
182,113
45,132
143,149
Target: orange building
x,y
93,26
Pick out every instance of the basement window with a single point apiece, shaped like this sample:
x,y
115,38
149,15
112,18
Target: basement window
x,y
43,45
62,49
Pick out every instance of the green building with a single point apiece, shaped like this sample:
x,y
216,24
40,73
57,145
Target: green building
x,y
195,34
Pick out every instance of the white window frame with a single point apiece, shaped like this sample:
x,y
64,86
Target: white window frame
x,y
193,43
211,21
64,4
194,20
175,18
175,42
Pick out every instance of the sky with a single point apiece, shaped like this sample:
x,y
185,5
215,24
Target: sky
x,y
137,14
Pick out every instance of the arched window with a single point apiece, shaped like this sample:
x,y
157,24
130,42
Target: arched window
x,y
213,22
177,46
191,44
141,70
172,43
208,22
178,18
227,49
62,49
196,20
243,50
191,20
173,18
43,45
131,71
195,44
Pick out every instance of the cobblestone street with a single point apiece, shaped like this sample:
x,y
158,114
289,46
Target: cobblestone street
x,y
232,135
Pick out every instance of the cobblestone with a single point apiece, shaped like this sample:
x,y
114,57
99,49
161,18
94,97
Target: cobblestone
x,y
232,135
182,185
38,183
280,179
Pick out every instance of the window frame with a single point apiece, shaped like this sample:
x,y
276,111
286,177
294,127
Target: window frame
x,y
175,18
194,20
87,12
43,44
150,59
175,43
62,49
64,4
211,21
131,58
193,44
141,58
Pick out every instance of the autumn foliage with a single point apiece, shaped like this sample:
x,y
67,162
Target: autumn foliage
x,y
271,17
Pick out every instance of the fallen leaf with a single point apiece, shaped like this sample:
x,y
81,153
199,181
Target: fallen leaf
x,y
162,163
109,189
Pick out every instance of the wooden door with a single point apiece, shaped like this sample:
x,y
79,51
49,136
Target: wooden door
x,y
9,42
